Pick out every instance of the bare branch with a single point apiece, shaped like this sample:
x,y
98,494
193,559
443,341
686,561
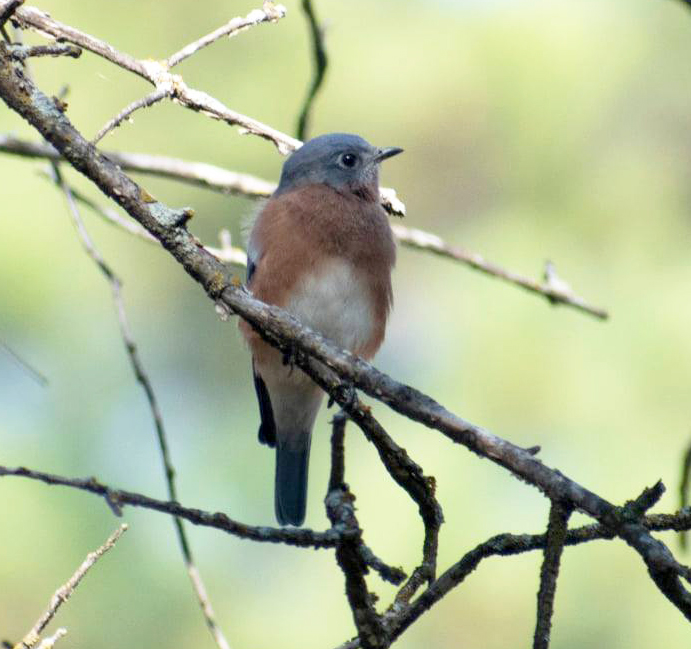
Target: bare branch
x,y
216,178
199,174
298,537
228,254
556,293
22,52
271,13
49,642
684,489
341,512
65,591
145,382
159,75
320,64
557,528
7,8
286,333
509,545
337,474
149,100
30,17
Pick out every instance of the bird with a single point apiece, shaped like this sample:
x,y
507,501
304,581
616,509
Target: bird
x,y
320,248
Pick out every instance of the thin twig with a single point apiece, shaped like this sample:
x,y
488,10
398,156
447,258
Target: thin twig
x,y
149,100
557,292
227,254
49,642
159,75
22,52
684,488
143,379
118,498
320,64
63,593
557,528
218,179
285,332
7,8
270,13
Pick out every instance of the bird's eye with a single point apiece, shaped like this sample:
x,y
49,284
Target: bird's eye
x,y
348,160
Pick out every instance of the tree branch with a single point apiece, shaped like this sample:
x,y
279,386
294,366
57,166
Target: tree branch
x,y
556,291
218,179
286,333
337,482
65,592
555,538
143,379
117,498
271,13
22,52
7,8
146,101
341,513
320,64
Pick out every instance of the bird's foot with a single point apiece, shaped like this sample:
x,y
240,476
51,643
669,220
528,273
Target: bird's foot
x,y
290,357
348,394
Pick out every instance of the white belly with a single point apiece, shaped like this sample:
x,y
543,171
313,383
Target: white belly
x,y
336,303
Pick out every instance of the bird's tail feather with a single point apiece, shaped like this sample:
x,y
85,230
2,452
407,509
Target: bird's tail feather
x,y
292,463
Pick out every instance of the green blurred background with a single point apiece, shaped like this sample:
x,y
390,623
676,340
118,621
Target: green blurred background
x,y
532,130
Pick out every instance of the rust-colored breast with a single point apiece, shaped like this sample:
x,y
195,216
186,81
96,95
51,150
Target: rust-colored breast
x,y
300,232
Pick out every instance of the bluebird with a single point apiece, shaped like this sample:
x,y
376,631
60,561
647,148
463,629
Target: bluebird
x,y
322,249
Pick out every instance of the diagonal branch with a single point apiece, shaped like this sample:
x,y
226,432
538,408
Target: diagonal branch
x,y
65,591
556,292
35,374
7,8
40,21
146,101
216,178
143,379
286,333
271,13
158,74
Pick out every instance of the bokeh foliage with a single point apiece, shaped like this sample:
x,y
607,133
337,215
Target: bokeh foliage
x,y
532,130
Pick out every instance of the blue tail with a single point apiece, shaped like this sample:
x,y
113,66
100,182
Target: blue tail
x,y
292,463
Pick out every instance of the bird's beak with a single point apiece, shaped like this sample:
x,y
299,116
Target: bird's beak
x,y
388,152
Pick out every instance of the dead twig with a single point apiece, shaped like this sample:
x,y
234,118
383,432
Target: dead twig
x,y
556,291
270,13
118,498
149,100
211,177
63,593
143,379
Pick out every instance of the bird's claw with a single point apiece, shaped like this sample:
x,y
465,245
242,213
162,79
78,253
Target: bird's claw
x,y
290,357
349,393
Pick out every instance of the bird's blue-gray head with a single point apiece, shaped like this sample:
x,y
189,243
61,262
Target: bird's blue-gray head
x,y
342,161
